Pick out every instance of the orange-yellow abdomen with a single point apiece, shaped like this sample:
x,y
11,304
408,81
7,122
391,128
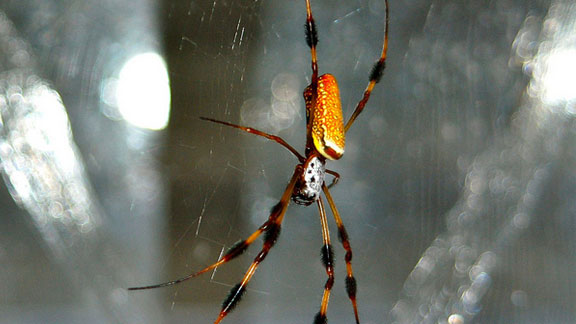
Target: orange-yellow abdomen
x,y
326,124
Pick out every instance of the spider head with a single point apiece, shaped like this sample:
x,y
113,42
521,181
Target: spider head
x,y
309,185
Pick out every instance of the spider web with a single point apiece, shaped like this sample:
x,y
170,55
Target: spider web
x,y
456,183
264,91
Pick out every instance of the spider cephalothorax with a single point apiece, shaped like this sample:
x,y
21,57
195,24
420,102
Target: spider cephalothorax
x,y
309,184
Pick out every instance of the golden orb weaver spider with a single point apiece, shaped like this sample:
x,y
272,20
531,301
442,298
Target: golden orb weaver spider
x,y
325,139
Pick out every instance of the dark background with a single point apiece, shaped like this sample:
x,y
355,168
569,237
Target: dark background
x,y
457,183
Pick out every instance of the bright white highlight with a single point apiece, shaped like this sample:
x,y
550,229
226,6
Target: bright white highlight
x,y
143,92
559,78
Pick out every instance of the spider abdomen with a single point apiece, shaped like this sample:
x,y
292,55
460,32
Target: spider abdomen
x,y
326,123
309,185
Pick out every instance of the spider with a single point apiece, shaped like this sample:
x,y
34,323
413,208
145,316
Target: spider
x,y
325,137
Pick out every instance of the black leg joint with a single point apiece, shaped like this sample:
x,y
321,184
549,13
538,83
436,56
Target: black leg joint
x,y
351,287
311,34
233,298
271,234
377,71
320,319
327,256
237,249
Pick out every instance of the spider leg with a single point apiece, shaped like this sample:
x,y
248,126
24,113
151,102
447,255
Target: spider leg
x,y
375,76
270,228
336,176
343,237
251,130
328,261
272,233
237,249
312,41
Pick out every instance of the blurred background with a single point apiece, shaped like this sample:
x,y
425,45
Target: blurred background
x,y
457,183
